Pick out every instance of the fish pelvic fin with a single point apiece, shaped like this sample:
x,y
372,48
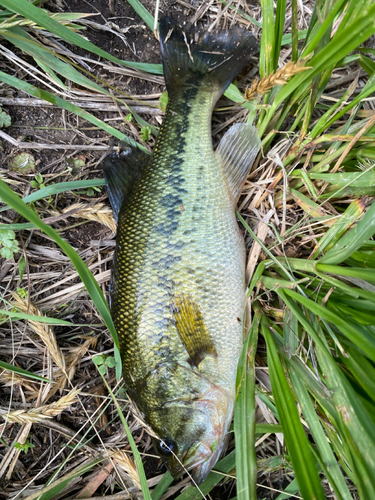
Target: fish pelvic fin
x,y
238,149
120,172
192,329
191,55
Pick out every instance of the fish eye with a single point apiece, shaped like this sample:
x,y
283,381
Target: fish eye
x,y
167,447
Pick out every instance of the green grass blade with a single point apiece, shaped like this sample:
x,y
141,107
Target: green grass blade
x,y
225,465
52,490
137,456
339,47
294,31
60,187
94,290
23,41
244,416
320,439
326,24
25,373
58,101
295,437
40,319
143,13
266,61
365,342
279,28
162,487
352,240
341,225
268,428
357,427
361,369
29,11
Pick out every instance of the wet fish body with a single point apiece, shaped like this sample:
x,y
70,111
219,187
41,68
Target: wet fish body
x,y
178,281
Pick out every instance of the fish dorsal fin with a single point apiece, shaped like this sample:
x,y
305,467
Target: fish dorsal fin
x,y
192,330
120,171
238,150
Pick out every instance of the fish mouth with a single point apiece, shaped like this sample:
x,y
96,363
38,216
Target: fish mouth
x,y
203,454
204,459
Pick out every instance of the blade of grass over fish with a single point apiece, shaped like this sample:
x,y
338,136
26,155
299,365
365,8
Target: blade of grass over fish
x,y
29,11
162,486
25,373
137,456
295,437
94,290
226,465
352,240
58,101
320,439
143,13
244,416
60,187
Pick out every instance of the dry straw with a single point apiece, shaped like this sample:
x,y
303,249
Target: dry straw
x,y
280,77
11,379
45,332
43,412
72,359
126,463
98,213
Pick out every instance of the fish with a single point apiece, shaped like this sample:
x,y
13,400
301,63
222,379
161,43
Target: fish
x,y
178,280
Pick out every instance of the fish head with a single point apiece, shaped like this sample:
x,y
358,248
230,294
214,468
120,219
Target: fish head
x,y
194,433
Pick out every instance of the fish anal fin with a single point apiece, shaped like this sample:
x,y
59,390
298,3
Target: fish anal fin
x,y
237,150
192,329
120,171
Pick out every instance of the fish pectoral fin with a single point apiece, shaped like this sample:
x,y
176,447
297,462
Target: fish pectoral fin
x,y
192,330
238,150
120,171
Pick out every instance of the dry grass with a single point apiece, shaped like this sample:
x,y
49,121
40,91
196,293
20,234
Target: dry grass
x,y
279,77
42,412
44,332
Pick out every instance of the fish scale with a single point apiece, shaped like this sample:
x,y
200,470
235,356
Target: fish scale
x,y
179,271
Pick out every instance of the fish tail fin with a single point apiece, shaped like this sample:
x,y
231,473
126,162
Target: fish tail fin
x,y
192,55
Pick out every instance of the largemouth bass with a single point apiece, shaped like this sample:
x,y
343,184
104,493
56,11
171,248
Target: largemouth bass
x,y
178,290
